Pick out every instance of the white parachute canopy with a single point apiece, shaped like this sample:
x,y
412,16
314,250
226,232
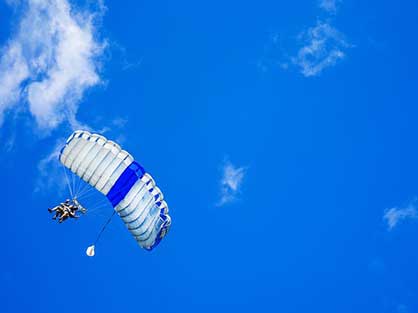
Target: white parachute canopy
x,y
90,250
131,190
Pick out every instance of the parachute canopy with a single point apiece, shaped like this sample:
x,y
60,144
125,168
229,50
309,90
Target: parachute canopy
x,y
129,188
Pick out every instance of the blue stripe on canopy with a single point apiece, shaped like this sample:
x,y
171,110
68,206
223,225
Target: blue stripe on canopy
x,y
125,182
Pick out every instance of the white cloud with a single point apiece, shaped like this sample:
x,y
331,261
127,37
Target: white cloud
x,y
323,47
394,216
50,61
13,70
231,182
329,5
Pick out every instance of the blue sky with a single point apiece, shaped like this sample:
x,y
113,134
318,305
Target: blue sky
x,y
283,135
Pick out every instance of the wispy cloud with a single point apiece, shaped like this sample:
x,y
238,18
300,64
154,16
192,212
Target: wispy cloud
x,y
394,216
9,144
13,70
231,181
323,46
50,61
329,6
402,308
51,173
315,49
